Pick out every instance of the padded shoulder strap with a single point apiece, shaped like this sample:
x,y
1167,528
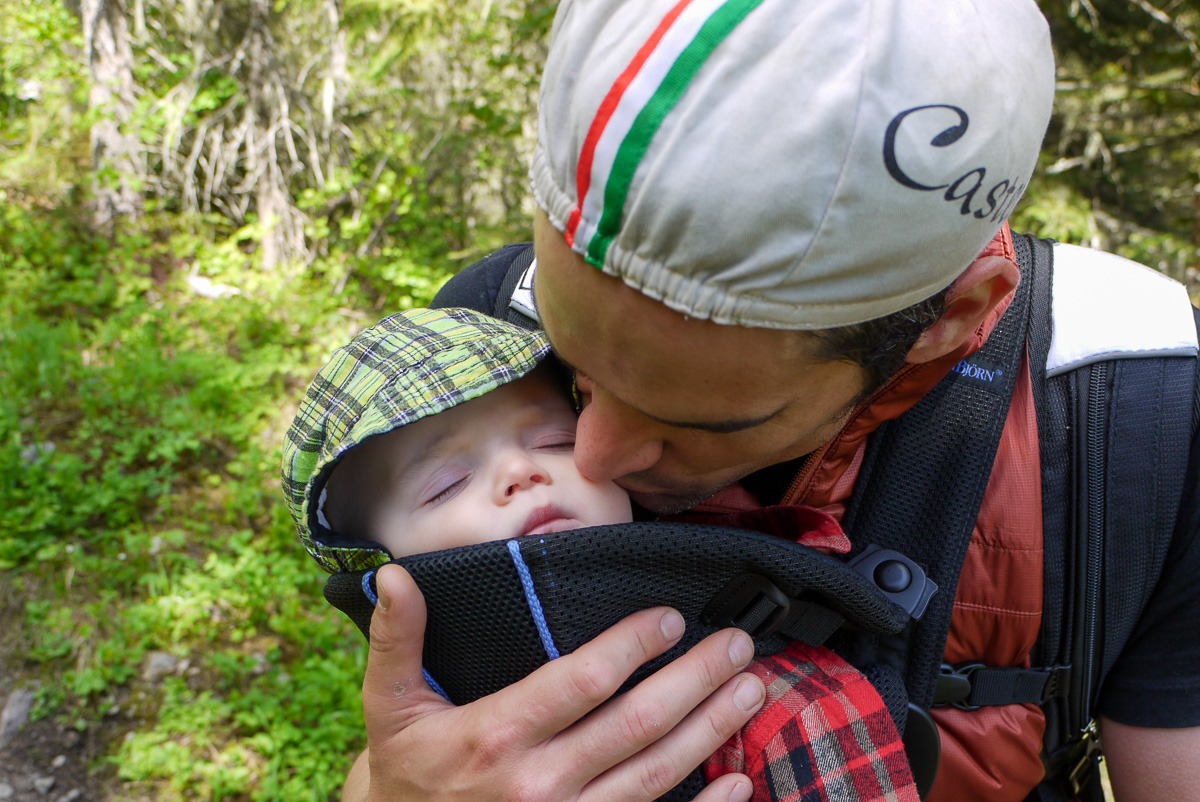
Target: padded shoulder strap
x,y
1116,416
924,477
514,301
1106,308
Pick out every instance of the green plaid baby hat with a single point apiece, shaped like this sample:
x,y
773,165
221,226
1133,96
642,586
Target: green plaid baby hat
x,y
407,366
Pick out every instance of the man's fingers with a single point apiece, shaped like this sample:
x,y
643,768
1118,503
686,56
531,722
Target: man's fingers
x,y
672,721
394,688
728,788
665,763
565,690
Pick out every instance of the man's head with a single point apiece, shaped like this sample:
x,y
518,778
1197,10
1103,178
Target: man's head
x,y
498,466
753,212
406,372
781,164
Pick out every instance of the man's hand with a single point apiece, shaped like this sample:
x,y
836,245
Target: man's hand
x,y
551,736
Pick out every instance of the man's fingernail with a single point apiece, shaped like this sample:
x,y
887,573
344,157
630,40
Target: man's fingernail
x,y
741,649
672,626
385,601
741,791
747,695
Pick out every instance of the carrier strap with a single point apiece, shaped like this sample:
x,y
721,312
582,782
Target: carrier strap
x,y
919,492
971,686
924,475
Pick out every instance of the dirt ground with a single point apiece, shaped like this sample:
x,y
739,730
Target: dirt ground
x,y
47,760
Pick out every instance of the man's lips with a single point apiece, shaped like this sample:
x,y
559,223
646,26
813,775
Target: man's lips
x,y
545,519
667,502
642,491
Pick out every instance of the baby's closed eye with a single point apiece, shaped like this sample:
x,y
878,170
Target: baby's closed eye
x,y
442,485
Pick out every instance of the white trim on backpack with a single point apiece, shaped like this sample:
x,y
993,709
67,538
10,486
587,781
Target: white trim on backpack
x,y
1108,307
522,297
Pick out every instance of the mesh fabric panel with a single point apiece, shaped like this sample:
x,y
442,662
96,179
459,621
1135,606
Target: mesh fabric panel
x,y
616,570
481,634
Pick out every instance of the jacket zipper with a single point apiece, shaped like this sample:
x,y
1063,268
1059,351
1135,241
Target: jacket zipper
x,y
1095,465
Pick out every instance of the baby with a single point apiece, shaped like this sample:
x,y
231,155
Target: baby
x,y
498,466
436,429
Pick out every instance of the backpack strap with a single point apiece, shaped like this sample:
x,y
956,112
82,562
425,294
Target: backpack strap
x,y
1115,420
919,493
514,301
500,285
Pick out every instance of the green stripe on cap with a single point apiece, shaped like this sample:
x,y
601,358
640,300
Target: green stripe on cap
x,y
649,119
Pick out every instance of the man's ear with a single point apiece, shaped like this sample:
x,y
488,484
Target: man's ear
x,y
969,301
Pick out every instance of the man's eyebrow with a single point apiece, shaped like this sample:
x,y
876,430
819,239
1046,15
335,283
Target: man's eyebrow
x,y
727,426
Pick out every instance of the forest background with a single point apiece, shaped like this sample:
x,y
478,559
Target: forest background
x,y
199,200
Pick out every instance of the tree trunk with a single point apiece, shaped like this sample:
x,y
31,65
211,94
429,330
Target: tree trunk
x,y
333,90
116,152
269,123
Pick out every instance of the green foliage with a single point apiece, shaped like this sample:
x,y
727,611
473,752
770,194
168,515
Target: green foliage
x,y
1124,148
41,89
139,448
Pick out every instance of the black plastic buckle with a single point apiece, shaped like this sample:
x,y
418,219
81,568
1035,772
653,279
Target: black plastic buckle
x,y
954,685
901,579
750,602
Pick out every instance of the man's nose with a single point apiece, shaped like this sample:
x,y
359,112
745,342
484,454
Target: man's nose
x,y
611,442
517,471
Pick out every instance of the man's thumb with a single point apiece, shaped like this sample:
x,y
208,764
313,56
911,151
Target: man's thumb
x,y
394,690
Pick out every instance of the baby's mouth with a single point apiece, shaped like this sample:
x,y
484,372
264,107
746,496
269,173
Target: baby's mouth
x,y
545,519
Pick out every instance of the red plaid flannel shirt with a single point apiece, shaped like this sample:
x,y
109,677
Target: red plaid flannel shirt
x,y
823,735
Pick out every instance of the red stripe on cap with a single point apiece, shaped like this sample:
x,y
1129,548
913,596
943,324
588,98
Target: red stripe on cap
x,y
583,172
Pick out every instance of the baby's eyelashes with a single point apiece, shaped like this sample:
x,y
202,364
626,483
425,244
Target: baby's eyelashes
x,y
443,487
559,443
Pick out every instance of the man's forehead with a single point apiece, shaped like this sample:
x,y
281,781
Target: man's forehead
x,y
681,372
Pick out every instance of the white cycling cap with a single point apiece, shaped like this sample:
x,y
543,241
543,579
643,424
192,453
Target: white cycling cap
x,y
789,163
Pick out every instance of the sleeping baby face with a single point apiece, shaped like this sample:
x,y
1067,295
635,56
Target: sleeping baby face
x,y
498,466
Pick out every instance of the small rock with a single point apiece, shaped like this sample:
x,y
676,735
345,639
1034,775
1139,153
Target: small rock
x,y
70,796
58,762
159,665
43,784
15,714
6,791
35,453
